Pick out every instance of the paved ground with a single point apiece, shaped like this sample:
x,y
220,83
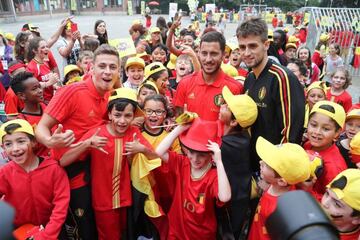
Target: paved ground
x,y
118,26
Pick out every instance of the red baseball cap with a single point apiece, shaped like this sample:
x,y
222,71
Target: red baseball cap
x,y
200,132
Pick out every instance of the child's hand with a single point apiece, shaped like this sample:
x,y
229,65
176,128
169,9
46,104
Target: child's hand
x,y
138,121
214,147
134,147
358,165
53,79
98,142
176,24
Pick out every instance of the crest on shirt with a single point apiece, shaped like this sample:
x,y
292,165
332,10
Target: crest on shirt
x,y
262,93
218,100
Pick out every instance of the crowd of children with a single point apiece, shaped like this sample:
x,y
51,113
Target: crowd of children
x,y
186,139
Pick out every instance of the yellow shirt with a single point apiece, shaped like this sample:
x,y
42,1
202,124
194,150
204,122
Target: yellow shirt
x,y
155,140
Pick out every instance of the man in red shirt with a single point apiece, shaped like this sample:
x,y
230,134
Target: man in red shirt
x,y
201,91
75,109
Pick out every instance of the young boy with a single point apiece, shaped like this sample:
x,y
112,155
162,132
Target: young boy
x,y
36,187
134,70
237,114
28,89
198,186
281,166
85,61
108,145
341,201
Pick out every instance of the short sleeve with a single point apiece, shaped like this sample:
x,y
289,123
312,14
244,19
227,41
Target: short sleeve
x,y
62,105
179,99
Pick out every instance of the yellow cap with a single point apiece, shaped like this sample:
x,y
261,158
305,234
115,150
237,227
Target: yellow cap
x,y
230,46
290,45
69,68
289,160
172,63
9,36
355,144
324,37
148,83
316,163
338,115
350,193
135,61
126,93
154,30
318,85
153,68
229,70
24,126
242,107
292,39
354,113
270,35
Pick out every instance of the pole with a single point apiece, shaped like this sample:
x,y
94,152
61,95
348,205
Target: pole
x,y
13,11
50,10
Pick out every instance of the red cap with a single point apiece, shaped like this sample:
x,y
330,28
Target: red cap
x,y
200,132
15,67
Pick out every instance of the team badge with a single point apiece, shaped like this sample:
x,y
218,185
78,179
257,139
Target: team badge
x,y
218,100
262,93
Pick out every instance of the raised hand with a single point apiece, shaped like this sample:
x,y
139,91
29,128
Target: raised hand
x,y
134,147
60,139
98,142
214,147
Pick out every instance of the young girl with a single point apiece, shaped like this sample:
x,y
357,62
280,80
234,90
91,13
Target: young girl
x,y
324,127
314,93
332,61
313,73
198,186
160,54
148,88
299,69
36,187
37,53
158,73
352,127
101,32
340,81
109,146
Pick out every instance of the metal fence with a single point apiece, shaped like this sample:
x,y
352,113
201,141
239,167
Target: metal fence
x,y
344,28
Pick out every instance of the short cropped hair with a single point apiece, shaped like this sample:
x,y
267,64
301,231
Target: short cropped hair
x,y
214,37
17,84
106,49
254,26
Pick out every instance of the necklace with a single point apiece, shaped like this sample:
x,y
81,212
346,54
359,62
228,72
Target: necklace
x,y
201,173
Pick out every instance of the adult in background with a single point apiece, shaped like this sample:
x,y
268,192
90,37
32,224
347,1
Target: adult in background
x,y
101,32
202,90
75,109
276,91
69,45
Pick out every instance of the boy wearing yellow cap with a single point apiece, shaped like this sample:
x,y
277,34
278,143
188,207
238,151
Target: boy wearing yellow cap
x,y
134,70
281,166
108,146
325,125
36,187
352,127
341,201
237,114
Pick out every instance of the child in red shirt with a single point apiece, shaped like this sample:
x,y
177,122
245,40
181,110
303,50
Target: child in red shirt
x,y
198,186
341,202
108,145
340,81
28,89
325,123
37,188
282,166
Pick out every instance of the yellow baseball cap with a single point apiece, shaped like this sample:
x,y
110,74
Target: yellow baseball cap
x,y
69,68
338,115
135,61
230,46
317,85
154,30
324,37
229,70
9,36
153,68
350,193
270,35
355,144
24,126
289,160
148,83
172,63
290,45
292,39
126,93
354,113
242,107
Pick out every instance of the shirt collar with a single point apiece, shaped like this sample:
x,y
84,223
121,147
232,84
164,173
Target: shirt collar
x,y
217,83
90,85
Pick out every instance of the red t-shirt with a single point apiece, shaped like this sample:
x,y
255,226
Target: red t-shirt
x,y
110,174
333,164
202,98
353,235
34,119
13,104
192,213
343,99
265,208
41,72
